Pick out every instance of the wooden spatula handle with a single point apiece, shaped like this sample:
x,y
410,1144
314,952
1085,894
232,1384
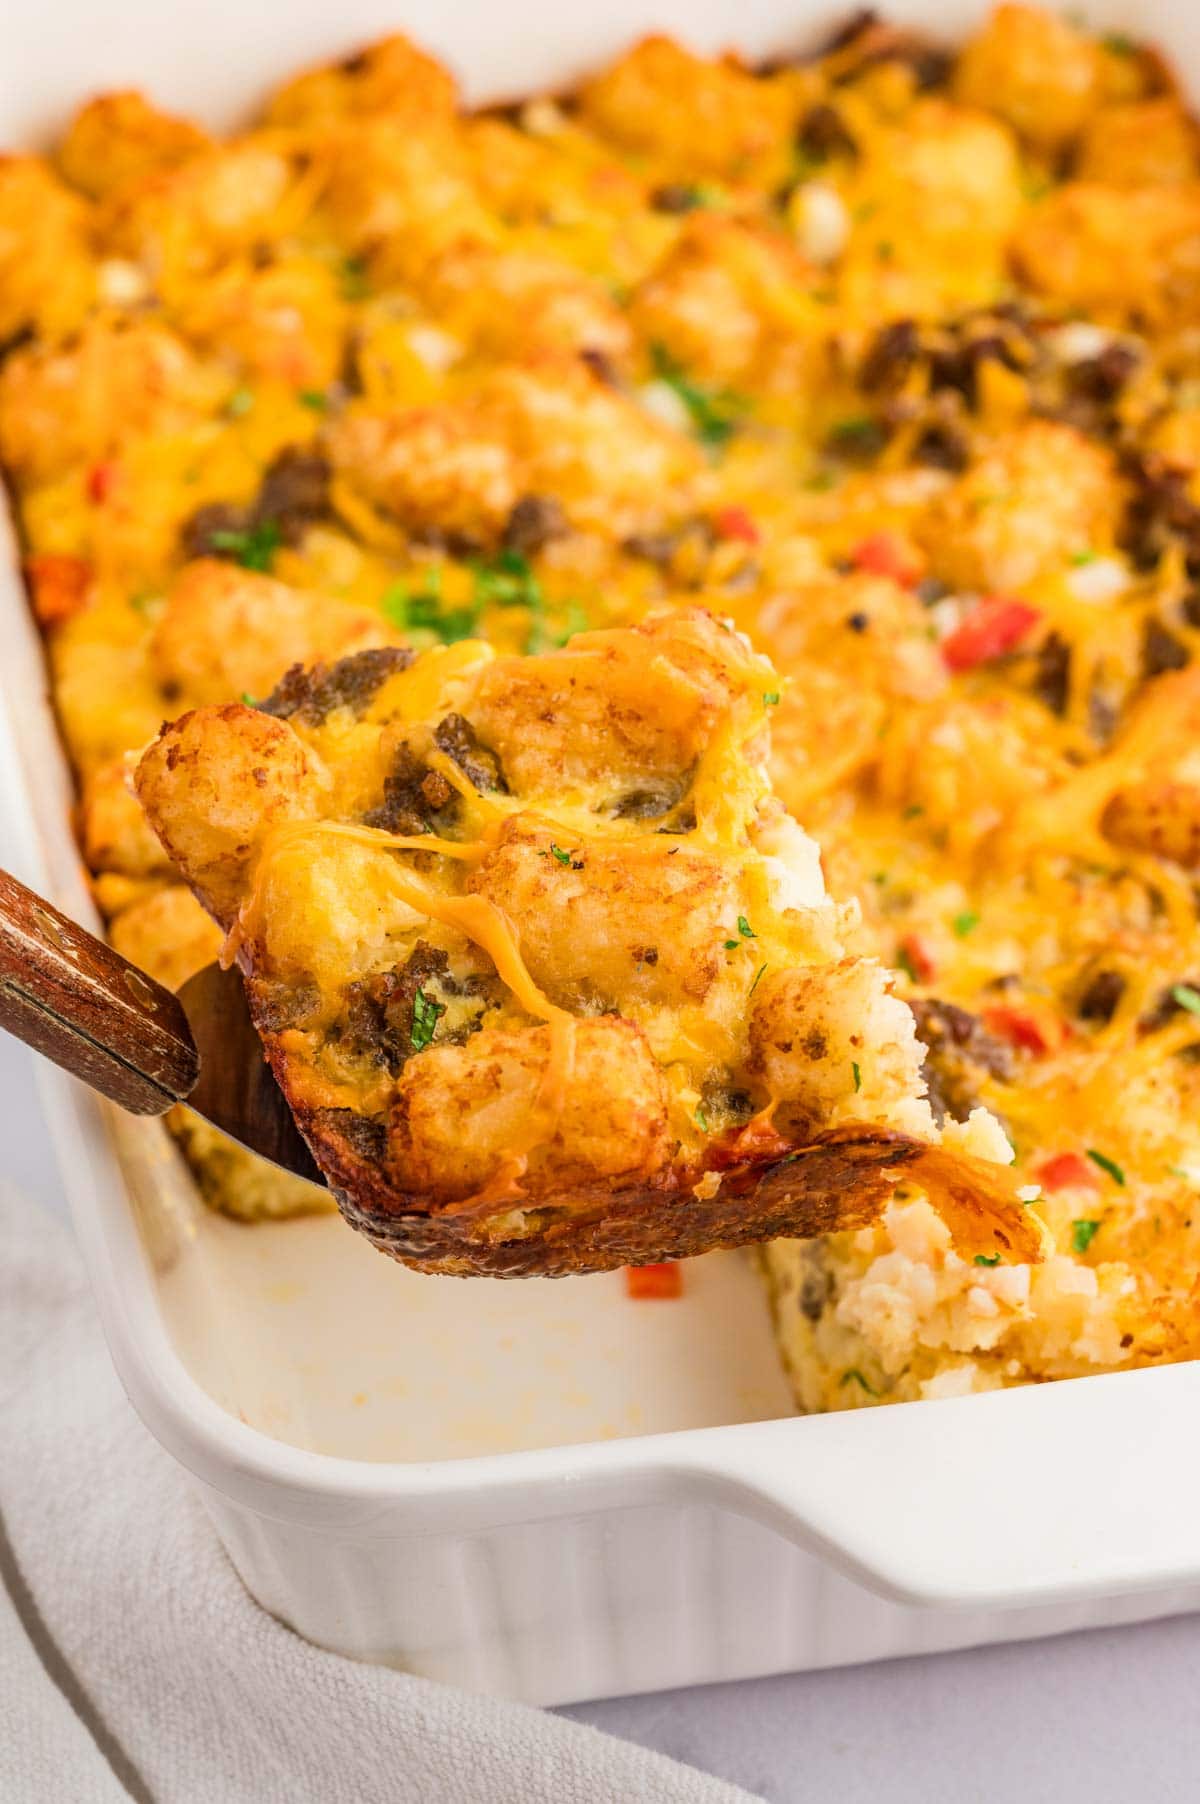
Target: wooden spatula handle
x,y
71,997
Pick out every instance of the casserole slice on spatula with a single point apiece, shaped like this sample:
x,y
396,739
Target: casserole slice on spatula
x,y
548,977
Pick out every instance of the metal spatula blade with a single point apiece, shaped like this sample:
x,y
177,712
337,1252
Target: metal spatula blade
x,y
236,1089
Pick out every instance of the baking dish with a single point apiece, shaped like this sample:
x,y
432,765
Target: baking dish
x,y
648,1516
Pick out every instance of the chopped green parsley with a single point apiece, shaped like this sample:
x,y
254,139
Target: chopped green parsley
x,y
1083,1232
254,547
425,1016
987,1258
559,856
854,1376
507,581
857,1076
859,435
714,413
425,610
1186,997
354,279
965,923
1106,1164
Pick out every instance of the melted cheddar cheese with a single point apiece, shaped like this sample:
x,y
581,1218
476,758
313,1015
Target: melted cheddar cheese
x,y
888,353
462,976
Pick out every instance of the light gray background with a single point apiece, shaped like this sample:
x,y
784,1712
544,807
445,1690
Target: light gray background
x,y
1111,1717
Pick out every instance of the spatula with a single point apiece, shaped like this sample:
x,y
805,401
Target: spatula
x,y
74,999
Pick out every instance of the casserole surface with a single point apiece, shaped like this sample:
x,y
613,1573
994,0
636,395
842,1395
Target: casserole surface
x,y
854,362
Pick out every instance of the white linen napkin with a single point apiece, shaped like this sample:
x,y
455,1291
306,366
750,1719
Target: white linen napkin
x,y
133,1664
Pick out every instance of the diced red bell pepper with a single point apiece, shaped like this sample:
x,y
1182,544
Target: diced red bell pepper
x,y
916,955
58,585
736,523
653,1281
996,625
887,554
100,480
1068,1171
1024,1029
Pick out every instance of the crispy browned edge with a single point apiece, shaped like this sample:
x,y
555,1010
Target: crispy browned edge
x,y
770,1188
842,1180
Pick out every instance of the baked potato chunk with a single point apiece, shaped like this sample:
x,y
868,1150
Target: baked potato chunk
x,y
719,303
1034,498
1121,253
230,775
117,138
552,428
1036,70
391,76
47,263
225,632
177,223
697,117
1142,142
402,198
503,922
119,378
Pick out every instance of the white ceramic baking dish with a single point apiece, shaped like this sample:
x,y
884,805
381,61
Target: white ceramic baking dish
x,y
545,1490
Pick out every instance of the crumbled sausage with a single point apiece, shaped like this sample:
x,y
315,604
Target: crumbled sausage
x,y
1102,378
457,738
1052,673
601,365
959,1051
294,492
1161,650
857,440
942,447
203,535
675,197
875,41
890,358
412,793
655,548
533,522
1100,996
366,1137
312,695
844,34
278,1006
1160,512
379,1009
1167,1006
824,133
650,803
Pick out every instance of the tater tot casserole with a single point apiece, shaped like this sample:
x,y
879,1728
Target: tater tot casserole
x,y
869,382
548,976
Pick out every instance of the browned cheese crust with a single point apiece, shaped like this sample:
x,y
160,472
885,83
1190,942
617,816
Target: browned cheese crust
x,y
547,975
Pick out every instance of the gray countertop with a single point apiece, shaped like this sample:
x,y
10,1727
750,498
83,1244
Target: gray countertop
x,y
1108,1717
